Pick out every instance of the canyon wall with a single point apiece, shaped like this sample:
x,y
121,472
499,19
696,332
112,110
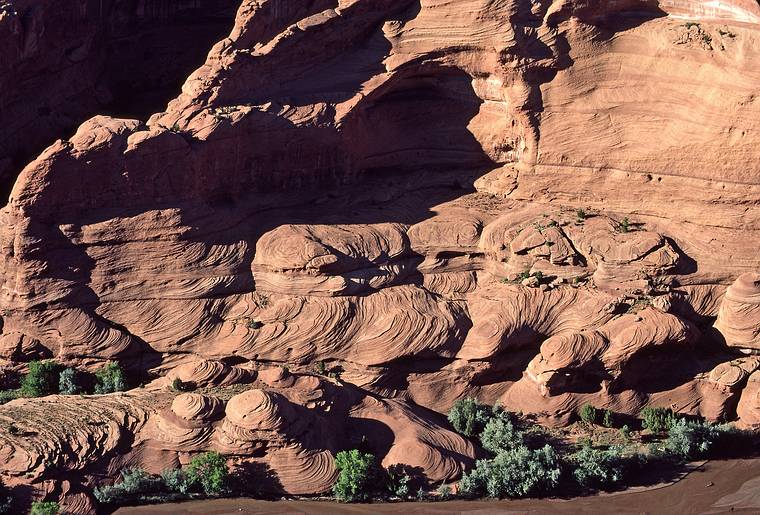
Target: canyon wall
x,y
537,203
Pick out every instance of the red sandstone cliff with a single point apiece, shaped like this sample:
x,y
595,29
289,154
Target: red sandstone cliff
x,y
368,179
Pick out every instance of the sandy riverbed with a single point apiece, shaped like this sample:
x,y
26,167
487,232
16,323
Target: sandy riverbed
x,y
735,488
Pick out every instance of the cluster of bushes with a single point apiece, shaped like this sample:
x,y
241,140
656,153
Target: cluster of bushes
x,y
693,440
657,420
469,417
48,377
590,415
361,478
601,469
515,469
683,439
517,472
518,469
206,475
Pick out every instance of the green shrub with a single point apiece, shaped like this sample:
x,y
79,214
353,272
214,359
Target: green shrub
x,y
68,382
523,275
110,378
625,432
443,491
134,483
175,480
209,471
580,215
469,417
357,476
398,481
500,434
110,494
587,413
657,420
596,468
42,379
254,324
179,386
44,508
625,225
692,440
520,472
137,480
321,368
9,395
608,419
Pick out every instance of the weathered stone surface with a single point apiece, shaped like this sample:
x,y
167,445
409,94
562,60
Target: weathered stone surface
x,y
541,203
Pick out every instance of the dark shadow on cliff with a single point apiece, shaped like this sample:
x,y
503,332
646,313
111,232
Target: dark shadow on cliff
x,y
131,58
148,58
660,369
256,479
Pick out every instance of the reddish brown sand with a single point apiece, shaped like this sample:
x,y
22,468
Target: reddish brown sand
x,y
735,488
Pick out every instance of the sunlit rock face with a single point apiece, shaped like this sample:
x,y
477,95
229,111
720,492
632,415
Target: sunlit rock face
x,y
541,203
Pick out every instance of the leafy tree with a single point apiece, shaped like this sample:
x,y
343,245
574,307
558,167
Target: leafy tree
x,y
44,508
469,417
588,414
692,440
136,480
175,480
42,379
110,378
357,471
209,470
596,468
398,481
109,494
657,420
500,434
68,382
519,472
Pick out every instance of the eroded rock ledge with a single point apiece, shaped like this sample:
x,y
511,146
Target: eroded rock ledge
x,y
540,203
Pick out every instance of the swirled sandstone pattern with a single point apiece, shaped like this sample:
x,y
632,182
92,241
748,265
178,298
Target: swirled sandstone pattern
x,y
544,203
